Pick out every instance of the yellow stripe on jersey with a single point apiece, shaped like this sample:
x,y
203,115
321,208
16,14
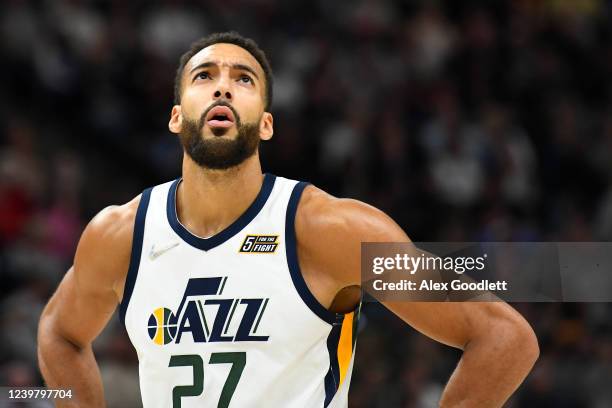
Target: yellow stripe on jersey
x,y
159,334
345,345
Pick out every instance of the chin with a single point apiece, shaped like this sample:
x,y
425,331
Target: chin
x,y
221,132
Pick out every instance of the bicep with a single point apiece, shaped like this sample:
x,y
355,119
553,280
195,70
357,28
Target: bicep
x,y
454,323
86,298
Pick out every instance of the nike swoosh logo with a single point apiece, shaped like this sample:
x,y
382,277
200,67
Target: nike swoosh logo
x,y
154,254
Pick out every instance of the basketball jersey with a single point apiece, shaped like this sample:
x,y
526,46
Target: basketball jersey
x,y
229,320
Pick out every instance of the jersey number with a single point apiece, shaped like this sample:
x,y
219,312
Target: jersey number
x,y
236,359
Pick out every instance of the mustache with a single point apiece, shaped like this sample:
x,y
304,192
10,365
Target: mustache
x,y
220,102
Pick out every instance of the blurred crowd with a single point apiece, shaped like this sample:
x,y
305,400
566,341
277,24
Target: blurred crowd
x,y
464,121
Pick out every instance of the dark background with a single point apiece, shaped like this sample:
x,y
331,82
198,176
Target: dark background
x,y
464,121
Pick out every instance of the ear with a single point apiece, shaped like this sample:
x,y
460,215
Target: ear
x,y
176,119
266,126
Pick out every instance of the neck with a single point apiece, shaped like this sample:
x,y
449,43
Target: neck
x,y
208,201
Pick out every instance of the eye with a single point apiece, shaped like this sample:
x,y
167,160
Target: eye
x,y
202,75
246,79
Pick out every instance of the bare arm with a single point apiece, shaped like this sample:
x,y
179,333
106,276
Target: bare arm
x,y
499,346
82,306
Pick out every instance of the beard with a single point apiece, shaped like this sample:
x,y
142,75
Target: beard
x,y
217,153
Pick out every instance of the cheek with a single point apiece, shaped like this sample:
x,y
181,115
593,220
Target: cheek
x,y
193,112
249,107
194,101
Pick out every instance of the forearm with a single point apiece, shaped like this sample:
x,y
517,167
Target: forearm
x,y
67,366
492,367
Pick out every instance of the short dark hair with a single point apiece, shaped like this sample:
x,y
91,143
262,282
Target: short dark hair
x,y
230,37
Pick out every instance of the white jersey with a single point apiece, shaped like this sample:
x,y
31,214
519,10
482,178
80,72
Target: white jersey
x,y
229,320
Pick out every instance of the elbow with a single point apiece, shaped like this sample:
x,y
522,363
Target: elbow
x,y
530,345
47,335
44,334
42,342
50,336
521,343
509,339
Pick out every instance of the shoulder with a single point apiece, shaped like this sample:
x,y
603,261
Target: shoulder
x,y
113,226
104,250
330,230
321,213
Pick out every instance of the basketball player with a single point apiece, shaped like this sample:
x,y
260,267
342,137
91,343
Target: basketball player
x,y
239,288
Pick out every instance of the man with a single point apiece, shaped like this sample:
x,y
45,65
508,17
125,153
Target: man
x,y
242,289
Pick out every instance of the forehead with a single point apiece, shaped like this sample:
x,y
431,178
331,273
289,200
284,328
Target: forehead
x,y
225,54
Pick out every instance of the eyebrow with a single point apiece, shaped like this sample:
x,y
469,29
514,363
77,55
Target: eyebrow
x,y
241,67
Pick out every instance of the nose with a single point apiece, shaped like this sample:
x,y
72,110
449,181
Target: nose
x,y
226,95
223,90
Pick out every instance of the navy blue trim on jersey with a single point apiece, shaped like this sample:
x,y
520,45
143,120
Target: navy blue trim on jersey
x,y
234,228
139,225
356,319
292,258
332,378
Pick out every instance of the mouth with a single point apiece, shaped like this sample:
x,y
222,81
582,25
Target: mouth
x,y
220,117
